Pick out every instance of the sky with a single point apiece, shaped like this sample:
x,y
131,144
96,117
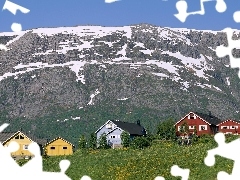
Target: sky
x,y
59,13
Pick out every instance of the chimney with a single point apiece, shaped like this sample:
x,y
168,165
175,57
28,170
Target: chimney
x,y
209,113
138,122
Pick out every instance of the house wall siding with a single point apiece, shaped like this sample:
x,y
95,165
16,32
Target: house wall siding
x,y
195,122
22,142
103,130
229,129
59,150
117,140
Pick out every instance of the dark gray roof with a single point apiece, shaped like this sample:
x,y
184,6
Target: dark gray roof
x,y
5,135
209,118
35,139
131,128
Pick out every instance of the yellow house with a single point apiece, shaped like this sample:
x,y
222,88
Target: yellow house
x,y
23,140
58,147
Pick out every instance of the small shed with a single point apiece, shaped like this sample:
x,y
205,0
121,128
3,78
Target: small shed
x,y
59,147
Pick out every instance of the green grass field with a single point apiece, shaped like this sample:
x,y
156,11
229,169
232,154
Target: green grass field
x,y
146,164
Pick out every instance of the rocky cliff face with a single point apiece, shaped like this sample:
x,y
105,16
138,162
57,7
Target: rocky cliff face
x,y
50,71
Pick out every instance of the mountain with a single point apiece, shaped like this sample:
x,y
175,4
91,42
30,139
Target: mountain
x,y
68,81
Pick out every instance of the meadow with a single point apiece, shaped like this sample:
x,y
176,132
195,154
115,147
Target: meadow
x,y
141,164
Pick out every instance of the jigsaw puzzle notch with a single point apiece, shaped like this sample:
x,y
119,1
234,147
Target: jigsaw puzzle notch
x,y
226,150
182,7
222,51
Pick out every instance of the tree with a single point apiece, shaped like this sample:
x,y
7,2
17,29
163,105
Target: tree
x,y
184,128
45,152
92,143
82,142
103,142
166,129
125,138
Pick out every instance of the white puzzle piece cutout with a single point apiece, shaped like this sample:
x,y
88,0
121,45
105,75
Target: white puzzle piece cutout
x,y
177,171
222,51
111,1
182,7
236,16
12,7
227,150
33,169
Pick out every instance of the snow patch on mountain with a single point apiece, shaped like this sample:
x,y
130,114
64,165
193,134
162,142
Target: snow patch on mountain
x,y
75,66
228,82
192,63
92,96
84,31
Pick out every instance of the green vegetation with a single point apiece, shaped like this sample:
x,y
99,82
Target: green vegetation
x,y
166,129
142,158
125,138
145,164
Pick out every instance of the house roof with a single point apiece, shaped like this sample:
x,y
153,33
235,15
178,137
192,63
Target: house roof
x,y
114,130
102,126
209,119
5,136
56,139
228,120
131,128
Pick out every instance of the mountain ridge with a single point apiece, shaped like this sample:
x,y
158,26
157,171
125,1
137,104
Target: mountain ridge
x,y
115,71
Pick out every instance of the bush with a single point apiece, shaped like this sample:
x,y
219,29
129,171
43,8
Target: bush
x,y
206,138
140,142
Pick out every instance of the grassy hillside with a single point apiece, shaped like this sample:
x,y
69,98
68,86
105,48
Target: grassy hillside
x,y
146,164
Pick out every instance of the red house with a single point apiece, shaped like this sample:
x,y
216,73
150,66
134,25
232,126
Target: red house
x,y
204,123
229,127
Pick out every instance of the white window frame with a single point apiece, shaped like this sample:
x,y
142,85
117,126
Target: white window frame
x,y
109,126
200,127
233,127
191,127
222,127
25,147
194,116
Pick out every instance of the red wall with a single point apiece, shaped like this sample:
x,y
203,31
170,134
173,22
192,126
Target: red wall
x,y
194,122
229,123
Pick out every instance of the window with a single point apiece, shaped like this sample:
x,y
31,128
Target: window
x,y
21,137
179,127
109,126
64,147
202,127
25,147
52,148
17,137
191,127
113,136
192,116
233,127
224,127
